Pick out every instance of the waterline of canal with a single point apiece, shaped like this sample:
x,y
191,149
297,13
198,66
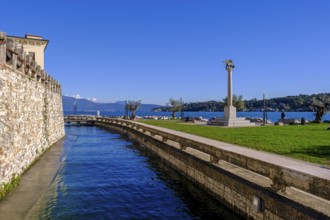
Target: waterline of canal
x,y
102,175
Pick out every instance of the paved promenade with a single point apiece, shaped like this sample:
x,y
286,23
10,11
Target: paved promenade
x,y
282,161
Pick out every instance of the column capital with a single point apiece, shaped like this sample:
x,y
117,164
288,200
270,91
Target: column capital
x,y
229,64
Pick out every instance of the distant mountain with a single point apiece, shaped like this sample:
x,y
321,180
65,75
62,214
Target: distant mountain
x,y
87,105
120,102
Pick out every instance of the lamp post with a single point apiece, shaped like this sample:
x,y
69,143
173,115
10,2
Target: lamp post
x,y
265,116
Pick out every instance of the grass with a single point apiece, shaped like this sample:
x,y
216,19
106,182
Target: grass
x,y
8,187
309,143
5,189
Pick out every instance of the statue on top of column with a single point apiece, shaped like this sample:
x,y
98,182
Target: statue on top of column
x,y
229,64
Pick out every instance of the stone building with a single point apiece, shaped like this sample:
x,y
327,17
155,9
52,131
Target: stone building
x,y
33,45
31,113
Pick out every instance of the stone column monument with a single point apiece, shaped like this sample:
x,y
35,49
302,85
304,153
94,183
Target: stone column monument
x,y
230,118
230,110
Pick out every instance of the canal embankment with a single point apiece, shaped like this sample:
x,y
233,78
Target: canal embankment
x,y
103,175
34,183
255,184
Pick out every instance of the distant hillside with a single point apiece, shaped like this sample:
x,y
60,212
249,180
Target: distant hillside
x,y
297,103
86,105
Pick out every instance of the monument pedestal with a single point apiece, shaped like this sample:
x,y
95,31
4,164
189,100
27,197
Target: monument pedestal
x,y
230,119
230,112
231,122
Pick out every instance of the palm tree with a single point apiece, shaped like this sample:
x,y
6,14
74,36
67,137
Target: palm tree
x,y
176,106
132,106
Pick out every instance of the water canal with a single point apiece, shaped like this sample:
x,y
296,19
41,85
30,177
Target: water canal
x,y
105,176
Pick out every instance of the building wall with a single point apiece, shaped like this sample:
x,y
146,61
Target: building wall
x,y
31,116
37,45
39,53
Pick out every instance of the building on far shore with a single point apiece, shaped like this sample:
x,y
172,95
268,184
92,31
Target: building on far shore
x,y
33,45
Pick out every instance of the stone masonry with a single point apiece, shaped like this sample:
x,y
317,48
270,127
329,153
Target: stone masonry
x,y
31,115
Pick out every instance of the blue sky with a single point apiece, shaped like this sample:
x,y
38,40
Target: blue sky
x,y
157,49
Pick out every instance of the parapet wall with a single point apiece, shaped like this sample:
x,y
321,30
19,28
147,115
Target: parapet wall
x,y
31,114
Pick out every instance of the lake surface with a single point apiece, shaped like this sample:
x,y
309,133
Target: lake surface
x,y
273,116
105,176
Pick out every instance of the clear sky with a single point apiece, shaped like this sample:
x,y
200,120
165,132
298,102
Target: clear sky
x,y
157,49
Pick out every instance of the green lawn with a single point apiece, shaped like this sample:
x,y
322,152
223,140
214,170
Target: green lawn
x,y
310,142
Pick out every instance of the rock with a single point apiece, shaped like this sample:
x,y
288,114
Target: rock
x,y
258,120
290,121
279,123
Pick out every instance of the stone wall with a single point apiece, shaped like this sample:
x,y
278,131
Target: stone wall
x,y
31,115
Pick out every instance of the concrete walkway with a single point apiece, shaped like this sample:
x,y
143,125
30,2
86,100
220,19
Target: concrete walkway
x,y
33,185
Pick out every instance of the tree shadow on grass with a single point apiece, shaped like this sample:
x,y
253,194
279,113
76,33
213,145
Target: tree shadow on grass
x,y
319,153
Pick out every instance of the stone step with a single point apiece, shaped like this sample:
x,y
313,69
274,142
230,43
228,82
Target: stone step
x,y
240,122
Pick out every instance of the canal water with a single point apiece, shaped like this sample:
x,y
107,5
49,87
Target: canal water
x,y
105,176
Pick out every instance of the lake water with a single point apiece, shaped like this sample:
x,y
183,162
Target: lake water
x,y
273,116
105,176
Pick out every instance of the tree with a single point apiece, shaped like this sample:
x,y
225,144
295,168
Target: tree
x,y
132,106
176,105
322,106
238,102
